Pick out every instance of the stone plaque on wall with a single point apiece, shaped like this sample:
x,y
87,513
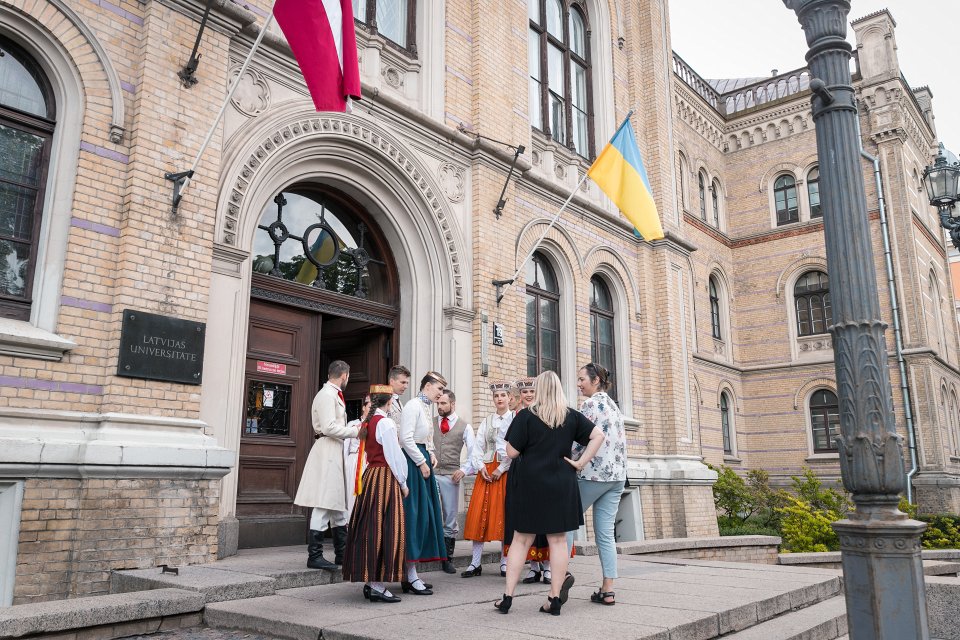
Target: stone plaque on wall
x,y
156,347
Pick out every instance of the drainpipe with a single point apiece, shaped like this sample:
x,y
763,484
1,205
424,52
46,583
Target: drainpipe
x,y
897,333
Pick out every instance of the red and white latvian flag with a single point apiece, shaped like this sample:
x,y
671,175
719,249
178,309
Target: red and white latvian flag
x,y
321,35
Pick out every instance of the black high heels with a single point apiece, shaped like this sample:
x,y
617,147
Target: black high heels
x,y
533,578
554,609
503,605
409,588
472,572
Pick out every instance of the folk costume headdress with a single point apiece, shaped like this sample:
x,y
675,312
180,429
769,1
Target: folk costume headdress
x,y
526,383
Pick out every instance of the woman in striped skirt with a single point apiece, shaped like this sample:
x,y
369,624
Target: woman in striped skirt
x,y
376,537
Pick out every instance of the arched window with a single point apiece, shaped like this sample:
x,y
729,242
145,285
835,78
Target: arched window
x,y
812,299
319,238
725,424
543,317
683,180
955,420
715,196
813,191
702,190
560,76
785,200
27,120
715,309
395,20
602,345
824,420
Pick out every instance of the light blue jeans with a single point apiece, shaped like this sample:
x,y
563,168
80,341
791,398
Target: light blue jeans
x,y
604,497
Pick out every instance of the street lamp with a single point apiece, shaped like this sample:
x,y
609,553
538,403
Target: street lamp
x,y
942,181
879,545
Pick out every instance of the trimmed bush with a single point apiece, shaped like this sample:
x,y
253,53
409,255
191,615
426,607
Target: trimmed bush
x,y
807,529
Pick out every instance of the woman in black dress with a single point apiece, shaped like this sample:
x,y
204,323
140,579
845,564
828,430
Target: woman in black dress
x,y
542,495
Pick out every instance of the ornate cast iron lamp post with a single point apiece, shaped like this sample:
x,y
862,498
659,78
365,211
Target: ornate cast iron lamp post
x,y
942,183
883,575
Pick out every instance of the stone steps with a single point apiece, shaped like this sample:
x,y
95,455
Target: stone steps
x,y
825,620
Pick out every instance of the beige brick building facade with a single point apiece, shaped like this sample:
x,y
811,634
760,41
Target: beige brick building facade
x,y
99,470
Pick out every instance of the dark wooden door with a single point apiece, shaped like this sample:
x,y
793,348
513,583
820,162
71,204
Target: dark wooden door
x,y
281,379
368,351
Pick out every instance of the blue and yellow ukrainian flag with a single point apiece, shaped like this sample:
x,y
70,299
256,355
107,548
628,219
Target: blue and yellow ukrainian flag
x,y
619,172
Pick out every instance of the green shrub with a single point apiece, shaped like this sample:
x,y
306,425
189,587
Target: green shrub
x,y
810,489
806,529
746,500
943,531
748,528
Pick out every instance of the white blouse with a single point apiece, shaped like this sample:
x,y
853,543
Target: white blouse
x,y
415,428
386,435
491,441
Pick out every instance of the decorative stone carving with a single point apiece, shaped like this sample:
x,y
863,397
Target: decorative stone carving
x,y
451,181
559,170
252,96
343,127
393,77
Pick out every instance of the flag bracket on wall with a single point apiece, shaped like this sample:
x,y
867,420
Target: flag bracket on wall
x,y
500,284
187,74
518,150
179,179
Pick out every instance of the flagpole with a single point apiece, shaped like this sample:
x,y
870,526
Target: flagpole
x,y
186,175
501,283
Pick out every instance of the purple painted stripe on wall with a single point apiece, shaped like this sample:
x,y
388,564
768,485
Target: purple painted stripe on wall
x,y
103,152
51,385
460,76
123,13
96,227
80,303
460,32
129,87
257,10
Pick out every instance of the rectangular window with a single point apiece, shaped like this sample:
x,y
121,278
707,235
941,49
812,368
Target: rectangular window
x,y
536,80
578,80
268,409
360,10
392,20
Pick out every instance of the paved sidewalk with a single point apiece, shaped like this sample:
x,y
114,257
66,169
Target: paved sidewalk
x,y
656,600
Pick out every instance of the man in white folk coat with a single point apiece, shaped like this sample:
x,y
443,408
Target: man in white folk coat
x,y
323,485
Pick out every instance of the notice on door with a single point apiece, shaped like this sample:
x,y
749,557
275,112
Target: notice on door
x,y
271,367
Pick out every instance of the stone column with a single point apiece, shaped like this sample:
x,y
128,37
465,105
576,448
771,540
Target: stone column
x,y
880,546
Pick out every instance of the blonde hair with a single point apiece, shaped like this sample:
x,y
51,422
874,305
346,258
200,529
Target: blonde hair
x,y
551,403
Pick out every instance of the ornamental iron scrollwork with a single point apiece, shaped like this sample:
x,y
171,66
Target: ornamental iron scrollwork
x,y
338,267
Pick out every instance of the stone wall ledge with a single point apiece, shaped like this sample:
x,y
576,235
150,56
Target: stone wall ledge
x,y
795,559
53,443
80,613
641,547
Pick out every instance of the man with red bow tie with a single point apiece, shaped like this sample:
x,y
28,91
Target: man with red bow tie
x,y
450,438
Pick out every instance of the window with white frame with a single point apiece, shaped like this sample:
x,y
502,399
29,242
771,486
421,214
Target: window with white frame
x,y
395,20
811,297
824,410
715,325
683,180
726,424
702,192
543,317
560,95
785,200
602,341
813,192
27,121
715,197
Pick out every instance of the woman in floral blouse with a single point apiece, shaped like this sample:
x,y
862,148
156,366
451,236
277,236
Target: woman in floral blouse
x,y
601,480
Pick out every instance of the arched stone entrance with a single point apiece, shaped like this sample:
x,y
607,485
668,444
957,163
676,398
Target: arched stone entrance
x,y
371,168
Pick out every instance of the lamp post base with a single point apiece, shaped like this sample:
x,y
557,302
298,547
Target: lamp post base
x,y
883,577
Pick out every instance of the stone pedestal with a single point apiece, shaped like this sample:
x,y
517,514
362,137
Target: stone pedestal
x,y
883,578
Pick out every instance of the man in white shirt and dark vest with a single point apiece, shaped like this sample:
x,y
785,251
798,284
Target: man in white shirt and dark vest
x,y
451,436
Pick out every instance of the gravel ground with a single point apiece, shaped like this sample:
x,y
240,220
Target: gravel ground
x,y
202,633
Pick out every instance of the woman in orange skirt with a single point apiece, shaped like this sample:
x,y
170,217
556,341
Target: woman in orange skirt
x,y
485,516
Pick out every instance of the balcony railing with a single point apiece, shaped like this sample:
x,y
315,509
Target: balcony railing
x,y
693,80
769,90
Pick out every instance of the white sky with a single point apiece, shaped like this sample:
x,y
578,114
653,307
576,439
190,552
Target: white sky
x,y
749,38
